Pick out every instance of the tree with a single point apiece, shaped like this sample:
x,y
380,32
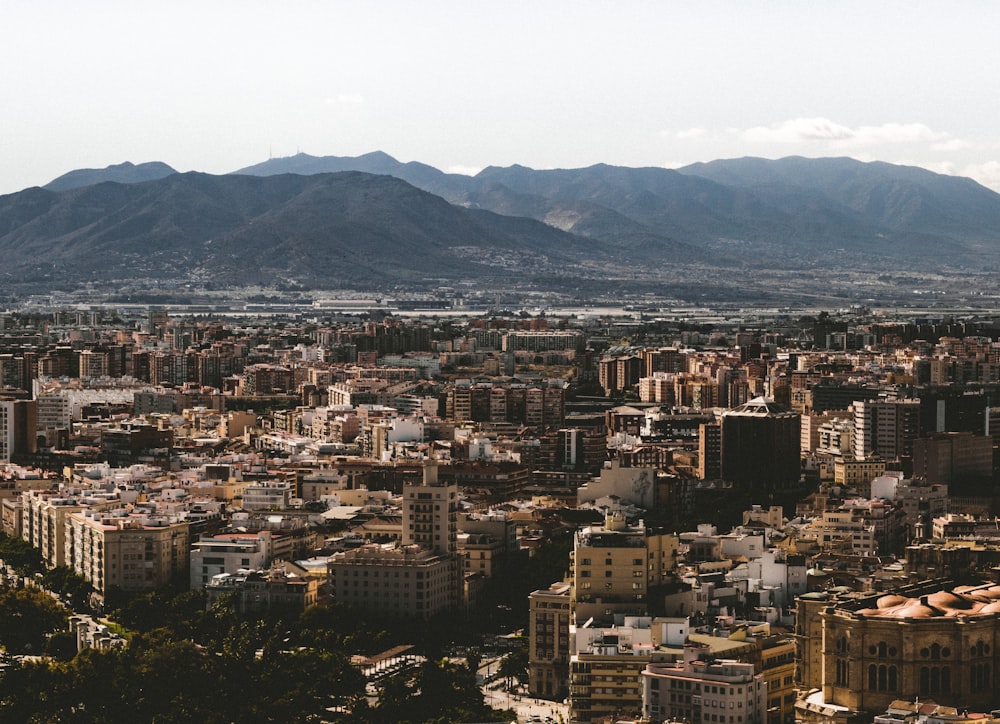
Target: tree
x,y
441,691
61,645
64,580
301,685
20,555
27,616
473,658
514,665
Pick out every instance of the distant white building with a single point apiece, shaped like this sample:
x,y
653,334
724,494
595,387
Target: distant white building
x,y
269,495
229,553
783,575
632,485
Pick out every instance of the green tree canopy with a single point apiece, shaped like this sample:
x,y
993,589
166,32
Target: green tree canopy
x,y
27,616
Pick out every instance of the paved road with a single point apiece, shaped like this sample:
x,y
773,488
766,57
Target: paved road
x,y
525,706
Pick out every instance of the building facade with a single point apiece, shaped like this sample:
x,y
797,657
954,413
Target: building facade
x,y
760,446
126,552
934,640
702,690
548,641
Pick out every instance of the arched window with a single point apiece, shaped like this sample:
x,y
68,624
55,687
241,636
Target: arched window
x,y
882,649
872,677
842,645
883,681
893,679
945,680
935,651
925,680
843,672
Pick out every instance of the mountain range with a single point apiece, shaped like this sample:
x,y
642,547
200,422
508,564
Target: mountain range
x,y
373,222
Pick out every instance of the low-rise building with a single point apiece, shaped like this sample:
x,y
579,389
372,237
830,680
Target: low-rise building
x,y
261,591
703,689
212,556
403,581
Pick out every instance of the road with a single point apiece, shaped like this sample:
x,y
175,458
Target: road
x,y
518,700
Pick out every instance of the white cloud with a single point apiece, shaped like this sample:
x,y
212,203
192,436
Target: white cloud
x,y
988,174
897,133
690,133
948,168
808,130
952,144
798,130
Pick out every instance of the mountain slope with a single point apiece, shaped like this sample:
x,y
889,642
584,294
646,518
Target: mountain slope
x,y
295,219
420,175
913,206
742,212
347,227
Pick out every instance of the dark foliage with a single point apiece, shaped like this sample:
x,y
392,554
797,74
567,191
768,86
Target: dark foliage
x,y
184,664
20,556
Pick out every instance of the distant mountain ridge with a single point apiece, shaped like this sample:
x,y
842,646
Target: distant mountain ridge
x,y
123,173
373,221
794,207
347,227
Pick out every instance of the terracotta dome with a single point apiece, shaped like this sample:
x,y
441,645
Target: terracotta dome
x,y
992,593
916,609
891,600
948,600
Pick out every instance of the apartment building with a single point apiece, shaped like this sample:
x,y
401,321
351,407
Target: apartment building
x,y
703,690
605,668
613,566
113,550
548,637
228,553
421,577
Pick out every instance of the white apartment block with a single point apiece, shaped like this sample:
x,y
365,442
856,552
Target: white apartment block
x,y
229,553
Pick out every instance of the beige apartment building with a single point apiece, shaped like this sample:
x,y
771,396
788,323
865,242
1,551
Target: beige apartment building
x,y
423,576
43,521
403,581
614,565
126,552
548,637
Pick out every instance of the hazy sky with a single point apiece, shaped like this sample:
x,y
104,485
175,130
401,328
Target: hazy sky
x,y
217,85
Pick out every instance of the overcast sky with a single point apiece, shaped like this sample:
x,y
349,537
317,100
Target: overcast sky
x,y
214,86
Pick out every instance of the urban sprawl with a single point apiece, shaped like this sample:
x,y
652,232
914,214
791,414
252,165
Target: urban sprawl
x,y
752,518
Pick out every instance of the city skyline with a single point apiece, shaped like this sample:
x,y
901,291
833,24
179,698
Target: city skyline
x,y
218,88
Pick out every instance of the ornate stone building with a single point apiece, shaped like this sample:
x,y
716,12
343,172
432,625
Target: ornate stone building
x,y
933,640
